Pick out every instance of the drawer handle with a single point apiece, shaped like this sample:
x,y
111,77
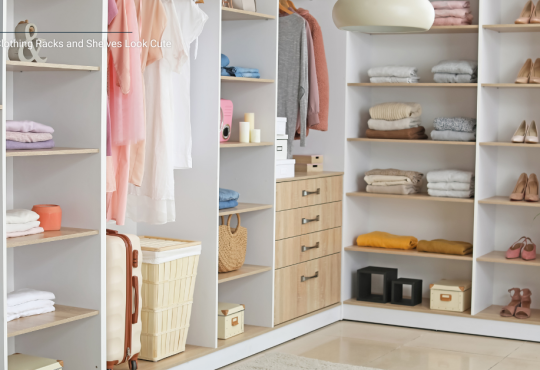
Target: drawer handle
x,y
307,220
305,193
305,278
305,249
446,297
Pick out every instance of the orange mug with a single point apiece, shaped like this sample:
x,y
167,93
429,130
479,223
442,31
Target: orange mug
x,y
50,216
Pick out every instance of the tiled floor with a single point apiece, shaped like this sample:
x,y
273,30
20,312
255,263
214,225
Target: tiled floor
x,y
395,348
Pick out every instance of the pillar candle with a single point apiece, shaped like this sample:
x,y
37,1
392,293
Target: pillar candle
x,y
256,136
244,132
250,117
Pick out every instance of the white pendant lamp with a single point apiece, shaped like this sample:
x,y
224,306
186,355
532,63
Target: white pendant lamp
x,y
383,16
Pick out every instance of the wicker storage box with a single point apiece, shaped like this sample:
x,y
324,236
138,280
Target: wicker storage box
x,y
169,269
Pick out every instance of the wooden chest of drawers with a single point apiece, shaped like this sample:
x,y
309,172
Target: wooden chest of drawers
x,y
308,244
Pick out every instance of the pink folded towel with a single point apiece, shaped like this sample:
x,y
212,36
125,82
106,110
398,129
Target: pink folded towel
x,y
451,21
34,230
27,126
458,13
450,4
28,137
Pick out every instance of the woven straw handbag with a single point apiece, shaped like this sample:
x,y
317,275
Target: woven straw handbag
x,y
232,246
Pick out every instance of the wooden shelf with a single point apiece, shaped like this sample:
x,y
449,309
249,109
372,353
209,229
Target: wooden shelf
x,y
420,196
409,253
493,313
513,86
53,151
512,27
309,175
236,144
429,84
243,208
505,201
421,308
62,315
500,257
49,236
228,14
245,79
438,30
434,142
515,145
244,271
14,66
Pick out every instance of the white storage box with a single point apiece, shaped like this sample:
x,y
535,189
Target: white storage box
x,y
169,269
285,168
281,146
230,319
451,295
281,126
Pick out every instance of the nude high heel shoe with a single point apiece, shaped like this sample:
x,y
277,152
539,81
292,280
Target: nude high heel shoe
x,y
535,17
531,192
526,13
519,135
535,74
523,311
528,253
515,250
525,72
508,311
519,191
531,137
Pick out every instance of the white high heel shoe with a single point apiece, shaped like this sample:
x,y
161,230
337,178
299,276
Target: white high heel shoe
x,y
531,137
519,135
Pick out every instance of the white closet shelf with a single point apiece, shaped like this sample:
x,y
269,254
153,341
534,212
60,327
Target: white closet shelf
x,y
505,201
422,308
244,271
409,253
512,27
228,14
243,208
516,145
245,79
493,313
437,30
512,86
435,142
420,196
500,257
236,144
14,66
53,151
49,236
427,84
62,315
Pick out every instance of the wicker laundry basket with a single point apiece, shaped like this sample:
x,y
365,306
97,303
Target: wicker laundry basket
x,y
169,269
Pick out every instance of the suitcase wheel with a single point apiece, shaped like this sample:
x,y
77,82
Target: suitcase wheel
x,y
133,365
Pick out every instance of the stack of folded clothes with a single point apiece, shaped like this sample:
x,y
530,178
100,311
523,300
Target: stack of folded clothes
x,y
450,183
455,71
452,13
445,247
21,222
393,181
28,302
400,121
237,71
379,239
28,135
454,129
393,74
228,198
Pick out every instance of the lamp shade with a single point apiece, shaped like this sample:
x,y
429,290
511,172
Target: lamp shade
x,y
383,16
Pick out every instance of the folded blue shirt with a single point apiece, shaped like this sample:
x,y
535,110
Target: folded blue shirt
x,y
235,70
224,72
226,195
248,75
228,204
224,60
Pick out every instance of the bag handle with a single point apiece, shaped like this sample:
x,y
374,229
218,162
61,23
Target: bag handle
x,y
229,223
135,283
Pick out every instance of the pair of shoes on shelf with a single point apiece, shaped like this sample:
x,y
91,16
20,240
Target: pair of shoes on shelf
x,y
523,248
529,73
526,133
520,306
529,14
526,189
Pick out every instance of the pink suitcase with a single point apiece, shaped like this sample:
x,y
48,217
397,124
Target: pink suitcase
x,y
225,126
124,300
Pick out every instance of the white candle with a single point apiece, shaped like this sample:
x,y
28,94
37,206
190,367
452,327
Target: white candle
x,y
256,136
250,117
244,132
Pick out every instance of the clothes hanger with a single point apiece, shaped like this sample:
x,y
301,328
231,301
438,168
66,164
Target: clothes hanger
x,y
291,5
284,6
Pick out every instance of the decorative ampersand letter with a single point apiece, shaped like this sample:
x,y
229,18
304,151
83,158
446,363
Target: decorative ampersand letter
x,y
26,33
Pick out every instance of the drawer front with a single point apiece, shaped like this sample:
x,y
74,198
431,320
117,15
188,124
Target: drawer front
x,y
307,247
300,221
307,287
304,193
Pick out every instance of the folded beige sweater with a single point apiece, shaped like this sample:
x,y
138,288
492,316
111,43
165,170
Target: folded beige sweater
x,y
395,111
414,176
393,189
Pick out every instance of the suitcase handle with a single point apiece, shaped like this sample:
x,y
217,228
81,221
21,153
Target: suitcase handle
x,y
112,232
135,318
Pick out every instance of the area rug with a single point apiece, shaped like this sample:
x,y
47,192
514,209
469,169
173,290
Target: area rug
x,y
282,361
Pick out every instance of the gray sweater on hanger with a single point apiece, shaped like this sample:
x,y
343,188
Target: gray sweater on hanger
x,y
293,85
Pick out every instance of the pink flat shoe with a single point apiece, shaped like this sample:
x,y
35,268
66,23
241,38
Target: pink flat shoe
x,y
508,311
528,253
524,310
515,250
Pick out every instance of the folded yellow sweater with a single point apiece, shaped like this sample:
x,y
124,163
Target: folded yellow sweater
x,y
445,247
381,239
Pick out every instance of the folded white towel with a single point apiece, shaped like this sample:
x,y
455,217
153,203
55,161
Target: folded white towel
x,y
28,306
16,234
20,216
456,66
450,186
451,193
400,124
12,317
384,180
38,311
452,136
11,228
394,80
393,71
24,295
450,176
